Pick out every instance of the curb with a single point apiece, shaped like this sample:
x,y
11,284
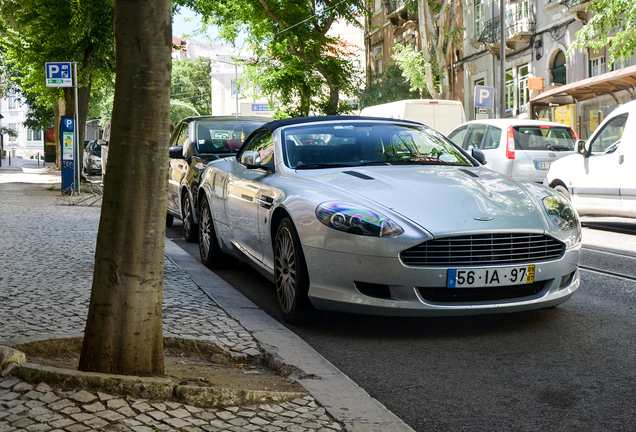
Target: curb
x,y
151,388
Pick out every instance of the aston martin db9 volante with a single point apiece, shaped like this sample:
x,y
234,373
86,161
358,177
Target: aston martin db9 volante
x,y
386,217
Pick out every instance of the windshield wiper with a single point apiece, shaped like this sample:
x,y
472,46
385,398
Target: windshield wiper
x,y
315,165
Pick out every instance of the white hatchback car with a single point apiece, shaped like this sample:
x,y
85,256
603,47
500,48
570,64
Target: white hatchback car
x,y
521,149
601,180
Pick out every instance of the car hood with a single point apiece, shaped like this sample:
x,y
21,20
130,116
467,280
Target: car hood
x,y
443,200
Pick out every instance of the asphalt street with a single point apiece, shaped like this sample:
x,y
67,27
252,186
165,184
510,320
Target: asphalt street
x,y
569,368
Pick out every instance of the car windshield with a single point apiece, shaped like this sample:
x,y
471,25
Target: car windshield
x,y
544,138
365,143
223,136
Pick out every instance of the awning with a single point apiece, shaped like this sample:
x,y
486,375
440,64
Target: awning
x,y
606,84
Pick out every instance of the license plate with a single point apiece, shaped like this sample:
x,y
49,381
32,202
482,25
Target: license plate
x,y
542,165
475,278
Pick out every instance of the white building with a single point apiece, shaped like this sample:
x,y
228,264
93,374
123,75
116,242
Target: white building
x,y
224,74
29,143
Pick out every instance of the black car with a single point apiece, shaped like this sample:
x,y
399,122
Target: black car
x,y
195,142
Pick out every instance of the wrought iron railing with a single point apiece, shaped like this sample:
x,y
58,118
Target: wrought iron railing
x,y
573,3
393,5
517,20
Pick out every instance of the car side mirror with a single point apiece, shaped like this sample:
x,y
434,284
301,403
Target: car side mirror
x,y
580,146
176,152
479,155
250,158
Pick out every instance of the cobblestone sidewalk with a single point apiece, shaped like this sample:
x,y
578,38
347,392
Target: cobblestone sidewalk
x,y
45,281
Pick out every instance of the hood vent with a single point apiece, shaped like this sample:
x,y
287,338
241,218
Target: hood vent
x,y
359,175
470,173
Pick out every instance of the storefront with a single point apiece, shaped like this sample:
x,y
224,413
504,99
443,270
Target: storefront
x,y
584,104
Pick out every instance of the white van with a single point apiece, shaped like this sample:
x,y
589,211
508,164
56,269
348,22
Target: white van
x,y
600,181
441,115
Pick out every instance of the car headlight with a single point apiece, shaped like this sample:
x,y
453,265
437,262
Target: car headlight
x,y
355,219
561,212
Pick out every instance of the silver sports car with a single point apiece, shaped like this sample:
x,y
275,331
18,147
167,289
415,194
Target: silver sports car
x,y
386,217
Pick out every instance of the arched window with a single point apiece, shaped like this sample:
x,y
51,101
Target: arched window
x,y
559,73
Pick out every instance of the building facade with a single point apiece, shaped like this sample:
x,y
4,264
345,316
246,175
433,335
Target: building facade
x,y
29,144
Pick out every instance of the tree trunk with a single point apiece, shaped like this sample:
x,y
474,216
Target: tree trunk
x,y
124,333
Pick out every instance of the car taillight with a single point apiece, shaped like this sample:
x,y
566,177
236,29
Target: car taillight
x,y
510,147
576,136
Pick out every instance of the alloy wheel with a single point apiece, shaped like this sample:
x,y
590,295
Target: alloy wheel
x,y
285,266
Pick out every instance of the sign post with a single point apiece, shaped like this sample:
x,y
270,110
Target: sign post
x,y
67,141
59,74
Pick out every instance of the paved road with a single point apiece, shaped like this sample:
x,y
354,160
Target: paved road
x,y
572,367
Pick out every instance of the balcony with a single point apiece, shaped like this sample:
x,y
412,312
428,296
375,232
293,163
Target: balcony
x,y
520,26
396,11
577,8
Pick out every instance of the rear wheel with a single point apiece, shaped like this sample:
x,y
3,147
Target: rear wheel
x,y
209,249
564,191
189,227
291,275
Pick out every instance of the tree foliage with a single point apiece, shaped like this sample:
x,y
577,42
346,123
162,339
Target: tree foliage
x,y
296,63
33,32
613,25
427,68
389,86
191,84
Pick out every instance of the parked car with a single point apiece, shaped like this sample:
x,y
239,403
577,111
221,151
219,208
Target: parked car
x,y
600,181
194,142
521,149
92,159
361,215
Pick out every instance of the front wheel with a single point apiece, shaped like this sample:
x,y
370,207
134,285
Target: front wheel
x,y
209,250
292,277
189,227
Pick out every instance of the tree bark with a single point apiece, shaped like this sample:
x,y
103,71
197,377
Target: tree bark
x,y
124,332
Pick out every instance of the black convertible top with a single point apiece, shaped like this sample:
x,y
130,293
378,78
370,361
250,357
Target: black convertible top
x,y
273,125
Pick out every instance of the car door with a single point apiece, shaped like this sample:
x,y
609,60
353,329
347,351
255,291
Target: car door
x,y
244,200
627,159
596,188
178,168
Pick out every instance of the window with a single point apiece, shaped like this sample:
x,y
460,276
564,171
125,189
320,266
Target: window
x,y
475,137
620,64
597,66
377,6
609,137
493,137
13,101
559,72
34,135
263,143
479,17
378,66
457,136
510,93
235,87
13,126
523,73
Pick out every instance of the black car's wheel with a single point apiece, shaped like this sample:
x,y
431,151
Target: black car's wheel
x,y
209,249
291,276
189,227
169,220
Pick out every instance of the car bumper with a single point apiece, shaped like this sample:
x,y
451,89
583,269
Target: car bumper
x,y
338,280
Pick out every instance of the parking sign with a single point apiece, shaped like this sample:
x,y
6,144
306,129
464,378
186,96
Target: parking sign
x,y
484,96
58,74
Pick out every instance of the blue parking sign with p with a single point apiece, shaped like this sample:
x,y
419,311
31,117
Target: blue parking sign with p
x,y
58,74
484,96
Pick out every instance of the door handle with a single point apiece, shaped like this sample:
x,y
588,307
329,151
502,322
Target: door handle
x,y
621,159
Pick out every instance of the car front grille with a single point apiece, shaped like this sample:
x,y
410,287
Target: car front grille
x,y
489,294
484,249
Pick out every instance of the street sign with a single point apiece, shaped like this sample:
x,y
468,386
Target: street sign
x,y
261,107
58,74
484,96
